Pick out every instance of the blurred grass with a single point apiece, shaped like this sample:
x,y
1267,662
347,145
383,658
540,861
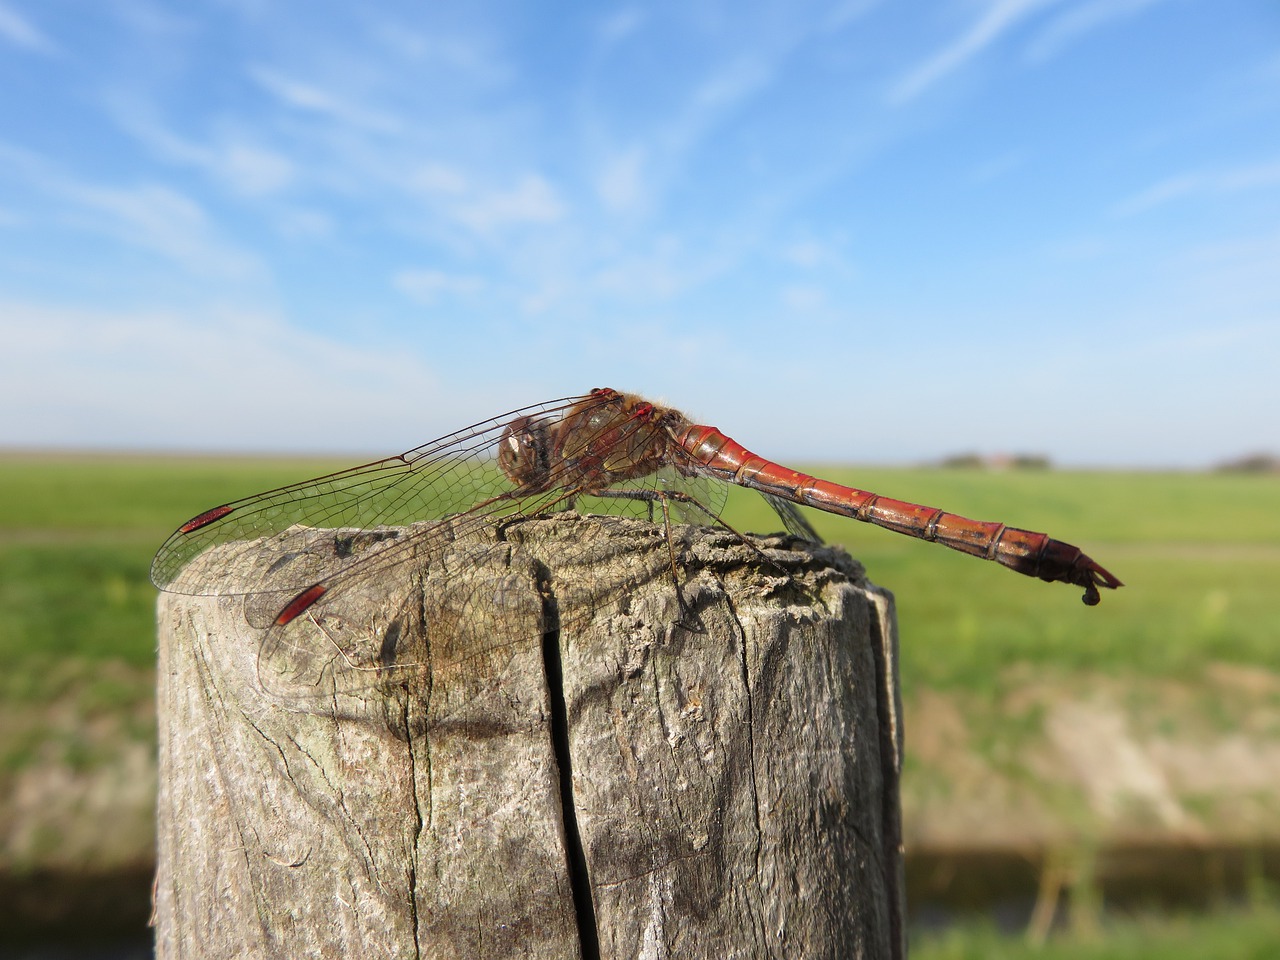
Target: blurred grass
x,y
1226,934
76,538
1199,554
142,497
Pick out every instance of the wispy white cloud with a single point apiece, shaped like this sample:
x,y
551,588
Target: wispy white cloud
x,y
1158,194
658,275
733,82
803,298
643,148
486,209
1259,175
22,33
304,222
805,253
1223,181
148,215
311,98
428,286
253,170
845,12
162,220
620,25
153,20
997,167
654,268
244,167
439,179
620,183
996,19
467,58
1072,24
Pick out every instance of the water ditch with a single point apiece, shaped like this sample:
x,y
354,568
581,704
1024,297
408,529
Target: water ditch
x,y
50,915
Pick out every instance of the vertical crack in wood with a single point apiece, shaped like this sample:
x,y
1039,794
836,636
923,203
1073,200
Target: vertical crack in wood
x,y
418,826
889,708
584,910
419,822
750,728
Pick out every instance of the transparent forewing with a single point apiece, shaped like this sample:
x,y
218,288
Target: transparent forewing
x,y
448,476
369,631
472,603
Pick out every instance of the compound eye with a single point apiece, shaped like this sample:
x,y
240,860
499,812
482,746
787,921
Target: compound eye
x,y
522,452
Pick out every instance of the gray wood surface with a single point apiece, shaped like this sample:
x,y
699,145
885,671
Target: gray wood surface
x,y
529,744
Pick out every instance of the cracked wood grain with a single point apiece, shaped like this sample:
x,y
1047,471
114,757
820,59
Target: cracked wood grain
x,y
732,773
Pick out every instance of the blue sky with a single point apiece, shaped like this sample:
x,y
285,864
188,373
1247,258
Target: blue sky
x,y
846,231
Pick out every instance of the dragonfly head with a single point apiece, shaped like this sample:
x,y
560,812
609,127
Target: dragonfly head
x,y
524,453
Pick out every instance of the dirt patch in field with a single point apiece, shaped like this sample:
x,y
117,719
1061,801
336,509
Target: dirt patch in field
x,y
78,782
1101,758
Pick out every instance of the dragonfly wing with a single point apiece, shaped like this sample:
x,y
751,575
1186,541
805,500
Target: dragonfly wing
x,y
796,522
449,608
439,479
452,610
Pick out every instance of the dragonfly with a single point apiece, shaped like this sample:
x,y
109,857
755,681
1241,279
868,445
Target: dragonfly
x,y
606,451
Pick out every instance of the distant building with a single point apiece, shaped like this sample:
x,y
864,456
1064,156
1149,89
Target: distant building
x,y
996,461
1251,463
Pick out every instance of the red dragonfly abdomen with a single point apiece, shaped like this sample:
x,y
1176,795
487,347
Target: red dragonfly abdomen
x,y
1027,552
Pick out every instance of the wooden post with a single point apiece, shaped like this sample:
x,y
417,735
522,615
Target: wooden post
x,y
624,772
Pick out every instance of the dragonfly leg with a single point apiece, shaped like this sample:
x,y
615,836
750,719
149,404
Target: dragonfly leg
x,y
688,619
679,496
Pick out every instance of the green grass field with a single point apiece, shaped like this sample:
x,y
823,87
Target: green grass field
x,y
1199,554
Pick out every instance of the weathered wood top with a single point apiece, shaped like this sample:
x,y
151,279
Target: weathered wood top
x,y
520,748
